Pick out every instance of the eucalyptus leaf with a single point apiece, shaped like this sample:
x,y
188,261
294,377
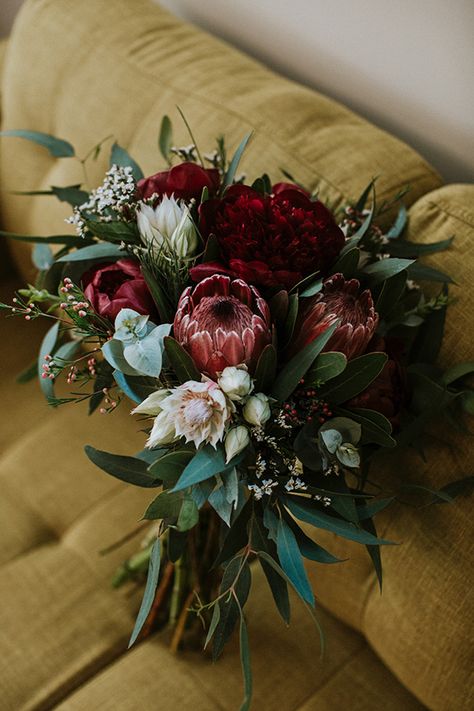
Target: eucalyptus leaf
x,y
234,163
312,289
245,663
165,138
236,575
47,347
421,272
150,591
279,588
399,225
170,466
326,366
347,263
294,371
42,256
112,351
57,147
181,361
206,463
356,377
128,469
146,355
188,515
403,248
292,562
119,156
386,268
167,505
265,371
303,510
101,250
67,240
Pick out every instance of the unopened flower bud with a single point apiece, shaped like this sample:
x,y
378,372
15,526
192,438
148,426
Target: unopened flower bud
x,y
236,441
257,409
235,382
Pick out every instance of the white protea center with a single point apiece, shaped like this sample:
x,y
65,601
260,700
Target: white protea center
x,y
199,412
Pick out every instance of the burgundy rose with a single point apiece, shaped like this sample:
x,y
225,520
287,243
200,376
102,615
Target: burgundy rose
x,y
338,300
271,240
222,322
111,287
388,392
186,180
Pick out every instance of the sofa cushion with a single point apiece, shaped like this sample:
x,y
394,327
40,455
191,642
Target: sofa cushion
x,y
126,64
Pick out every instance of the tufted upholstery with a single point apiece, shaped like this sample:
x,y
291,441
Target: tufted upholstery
x,y
83,71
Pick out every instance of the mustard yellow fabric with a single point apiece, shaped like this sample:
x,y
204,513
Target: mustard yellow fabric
x,y
84,70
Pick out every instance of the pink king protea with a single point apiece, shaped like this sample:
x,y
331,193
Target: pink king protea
x,y
339,300
222,322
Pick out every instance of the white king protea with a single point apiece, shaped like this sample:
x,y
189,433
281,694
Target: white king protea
x,y
167,227
199,412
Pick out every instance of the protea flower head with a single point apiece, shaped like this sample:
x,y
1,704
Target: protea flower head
x,y
222,322
338,300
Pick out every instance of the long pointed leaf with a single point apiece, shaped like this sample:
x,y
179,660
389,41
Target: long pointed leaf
x,y
150,590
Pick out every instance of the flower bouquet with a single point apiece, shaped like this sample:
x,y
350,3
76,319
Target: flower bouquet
x,y
271,349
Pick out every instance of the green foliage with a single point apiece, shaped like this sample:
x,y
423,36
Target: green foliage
x,y
403,248
129,469
234,589
180,361
165,139
279,588
265,371
326,366
356,377
119,156
47,348
296,368
150,591
234,163
57,147
385,269
347,263
292,562
94,253
206,463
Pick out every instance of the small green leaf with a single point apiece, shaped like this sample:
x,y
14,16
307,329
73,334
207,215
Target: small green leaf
x,y
326,366
47,347
112,351
376,428
294,371
102,250
290,321
234,163
312,289
181,361
392,291
128,469
357,376
165,138
119,156
57,147
116,231
386,268
216,616
150,590
266,369
188,515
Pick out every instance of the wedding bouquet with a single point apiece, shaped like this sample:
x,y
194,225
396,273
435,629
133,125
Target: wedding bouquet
x,y
271,348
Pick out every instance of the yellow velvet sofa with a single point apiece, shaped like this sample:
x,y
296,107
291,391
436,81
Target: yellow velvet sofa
x,y
85,69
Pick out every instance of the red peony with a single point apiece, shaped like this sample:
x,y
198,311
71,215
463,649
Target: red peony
x,y
271,240
112,287
338,300
387,393
222,322
186,181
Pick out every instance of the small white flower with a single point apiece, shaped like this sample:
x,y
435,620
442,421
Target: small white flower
x,y
257,409
167,227
235,382
196,411
236,441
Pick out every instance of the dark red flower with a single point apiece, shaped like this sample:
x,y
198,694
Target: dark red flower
x,y
222,322
112,287
388,392
338,300
271,240
186,180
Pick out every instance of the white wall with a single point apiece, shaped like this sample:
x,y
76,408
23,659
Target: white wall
x,y
407,65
